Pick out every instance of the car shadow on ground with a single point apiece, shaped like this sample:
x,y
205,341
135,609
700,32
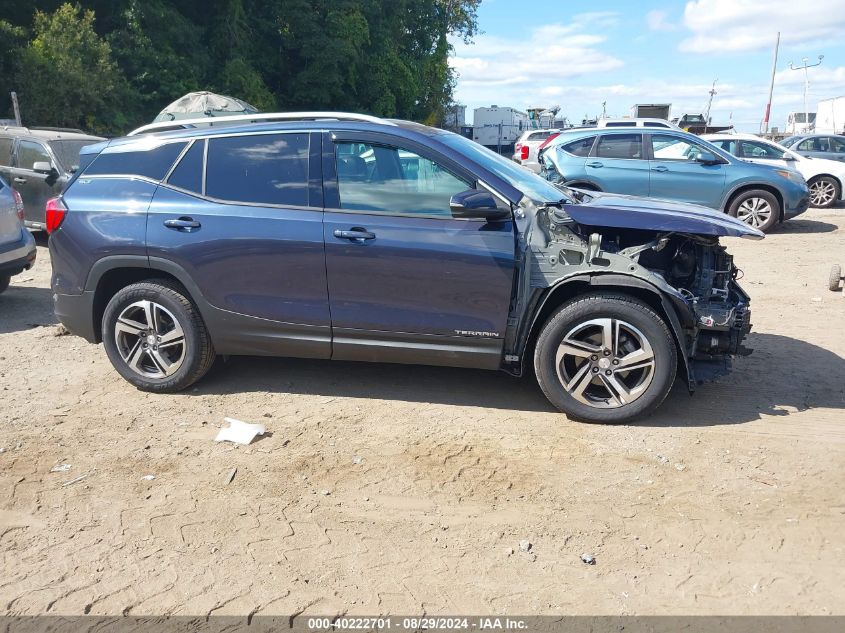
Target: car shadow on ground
x,y
25,307
763,383
805,226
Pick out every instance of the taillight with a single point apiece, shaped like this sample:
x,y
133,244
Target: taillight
x,y
523,152
549,140
55,214
18,204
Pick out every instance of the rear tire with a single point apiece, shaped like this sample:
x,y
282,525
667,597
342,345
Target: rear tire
x,y
155,337
584,347
757,208
824,192
4,282
835,278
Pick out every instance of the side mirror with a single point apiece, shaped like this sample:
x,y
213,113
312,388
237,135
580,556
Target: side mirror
x,y
42,167
477,204
707,158
789,157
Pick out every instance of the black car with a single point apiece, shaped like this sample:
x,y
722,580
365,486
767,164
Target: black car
x,y
38,163
338,236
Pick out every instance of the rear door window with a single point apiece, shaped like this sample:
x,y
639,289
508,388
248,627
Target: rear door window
x,y
753,149
629,146
259,169
153,163
5,152
809,145
29,153
837,145
579,147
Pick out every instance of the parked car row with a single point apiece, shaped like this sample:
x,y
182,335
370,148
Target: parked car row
x,y
17,246
38,163
675,165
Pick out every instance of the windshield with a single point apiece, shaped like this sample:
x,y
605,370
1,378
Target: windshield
x,y
529,183
68,151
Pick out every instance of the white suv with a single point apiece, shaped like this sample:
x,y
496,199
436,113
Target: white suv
x,y
824,177
525,149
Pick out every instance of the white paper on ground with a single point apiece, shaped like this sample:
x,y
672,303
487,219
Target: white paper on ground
x,y
239,432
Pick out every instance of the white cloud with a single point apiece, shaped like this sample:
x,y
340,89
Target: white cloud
x,y
510,70
746,25
658,20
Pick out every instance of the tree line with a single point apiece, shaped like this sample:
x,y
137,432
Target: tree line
x,y
109,65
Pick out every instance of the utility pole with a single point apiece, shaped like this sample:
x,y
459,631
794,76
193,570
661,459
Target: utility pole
x,y
712,94
806,87
604,109
771,87
16,108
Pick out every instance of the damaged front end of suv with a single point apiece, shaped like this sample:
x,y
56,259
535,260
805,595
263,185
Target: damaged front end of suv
x,y
663,258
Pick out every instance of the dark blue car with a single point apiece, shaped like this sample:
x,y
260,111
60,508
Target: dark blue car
x,y
345,237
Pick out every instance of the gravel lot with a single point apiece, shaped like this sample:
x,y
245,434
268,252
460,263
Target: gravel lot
x,y
394,489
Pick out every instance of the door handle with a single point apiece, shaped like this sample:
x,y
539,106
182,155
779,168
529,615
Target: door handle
x,y
595,163
660,168
182,224
355,234
19,180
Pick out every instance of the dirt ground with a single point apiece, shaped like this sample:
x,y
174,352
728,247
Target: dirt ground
x,y
408,490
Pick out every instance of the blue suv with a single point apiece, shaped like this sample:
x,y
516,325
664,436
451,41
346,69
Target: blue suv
x,y
346,237
674,165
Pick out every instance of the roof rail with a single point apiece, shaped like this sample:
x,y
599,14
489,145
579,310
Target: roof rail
x,y
263,117
59,129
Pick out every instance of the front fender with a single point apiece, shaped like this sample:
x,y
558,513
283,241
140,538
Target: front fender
x,y
672,307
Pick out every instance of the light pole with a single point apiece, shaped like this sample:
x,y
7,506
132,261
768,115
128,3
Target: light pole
x,y
806,87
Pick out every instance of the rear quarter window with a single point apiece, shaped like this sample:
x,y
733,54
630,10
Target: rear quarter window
x,y
153,163
579,147
188,173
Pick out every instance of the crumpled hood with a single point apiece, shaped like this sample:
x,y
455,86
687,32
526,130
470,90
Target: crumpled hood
x,y
631,212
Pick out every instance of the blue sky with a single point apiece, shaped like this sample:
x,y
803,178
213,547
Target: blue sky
x,y
577,54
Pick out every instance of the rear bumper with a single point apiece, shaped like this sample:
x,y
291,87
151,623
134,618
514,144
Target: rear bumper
x,y
18,256
76,313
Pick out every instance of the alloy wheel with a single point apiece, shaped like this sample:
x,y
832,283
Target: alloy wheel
x,y
605,363
149,339
754,211
822,193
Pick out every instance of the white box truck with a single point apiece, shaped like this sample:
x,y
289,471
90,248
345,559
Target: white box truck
x,y
651,111
495,126
830,116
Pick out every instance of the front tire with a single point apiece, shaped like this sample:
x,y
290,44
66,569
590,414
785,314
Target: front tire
x,y
605,358
824,192
757,208
5,280
155,337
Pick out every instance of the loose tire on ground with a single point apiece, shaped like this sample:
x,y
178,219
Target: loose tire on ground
x,y
567,323
756,207
835,277
174,311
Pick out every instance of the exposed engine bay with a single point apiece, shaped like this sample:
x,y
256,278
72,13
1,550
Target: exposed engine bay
x,y
694,274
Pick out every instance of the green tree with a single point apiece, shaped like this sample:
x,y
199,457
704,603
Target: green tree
x,y
67,76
